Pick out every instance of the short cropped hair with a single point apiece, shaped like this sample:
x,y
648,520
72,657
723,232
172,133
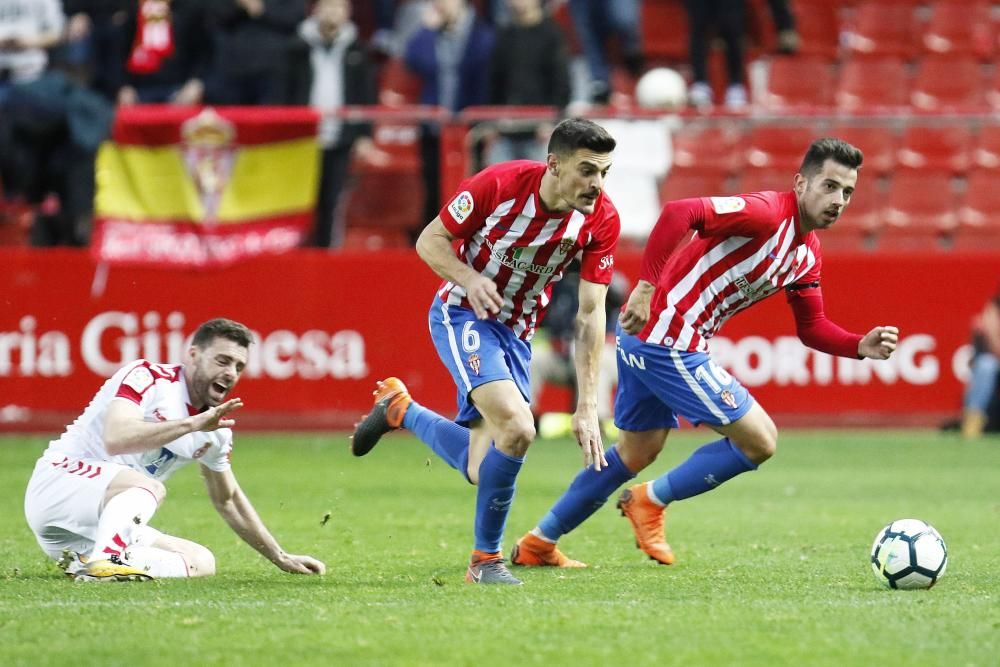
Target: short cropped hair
x,y
828,148
220,327
573,134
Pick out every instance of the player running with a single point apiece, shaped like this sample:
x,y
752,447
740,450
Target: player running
x,y
746,248
95,489
520,224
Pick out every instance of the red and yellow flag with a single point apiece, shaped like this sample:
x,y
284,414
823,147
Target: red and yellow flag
x,y
187,187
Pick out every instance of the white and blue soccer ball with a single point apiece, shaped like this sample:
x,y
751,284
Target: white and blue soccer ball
x,y
908,554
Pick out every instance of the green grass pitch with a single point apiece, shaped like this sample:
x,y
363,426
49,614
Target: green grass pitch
x,y
772,567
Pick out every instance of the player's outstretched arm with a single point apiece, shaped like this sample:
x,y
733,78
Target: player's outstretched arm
x,y
235,509
126,432
879,343
434,247
591,321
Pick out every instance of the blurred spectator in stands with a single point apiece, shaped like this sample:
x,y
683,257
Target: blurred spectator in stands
x,y
95,43
980,404
342,73
552,353
784,23
728,19
253,55
529,67
451,55
383,40
596,21
169,52
27,29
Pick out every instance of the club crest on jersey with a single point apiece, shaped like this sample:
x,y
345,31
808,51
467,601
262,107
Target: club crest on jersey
x,y
566,245
723,205
728,398
474,363
461,206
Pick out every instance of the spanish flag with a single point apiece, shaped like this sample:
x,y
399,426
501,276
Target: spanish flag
x,y
189,187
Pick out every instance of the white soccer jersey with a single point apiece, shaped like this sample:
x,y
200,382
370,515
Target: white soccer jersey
x,y
509,237
160,391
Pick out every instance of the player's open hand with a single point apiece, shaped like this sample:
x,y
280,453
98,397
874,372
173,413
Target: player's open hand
x,y
587,429
483,296
879,343
301,564
636,312
216,417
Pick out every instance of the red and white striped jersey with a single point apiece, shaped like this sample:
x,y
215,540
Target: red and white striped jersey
x,y
508,236
161,393
746,248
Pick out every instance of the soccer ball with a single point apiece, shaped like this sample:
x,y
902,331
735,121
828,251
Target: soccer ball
x,y
909,553
661,88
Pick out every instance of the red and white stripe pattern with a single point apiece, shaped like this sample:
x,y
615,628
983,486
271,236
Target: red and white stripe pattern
x,y
718,275
509,238
76,467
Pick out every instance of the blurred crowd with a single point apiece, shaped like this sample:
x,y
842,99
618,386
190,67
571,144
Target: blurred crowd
x,y
66,65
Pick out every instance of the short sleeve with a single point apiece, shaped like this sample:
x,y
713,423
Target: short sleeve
x,y
743,215
216,453
467,211
598,262
136,384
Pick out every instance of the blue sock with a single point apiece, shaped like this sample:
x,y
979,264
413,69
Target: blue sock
x,y
497,474
588,492
448,440
709,466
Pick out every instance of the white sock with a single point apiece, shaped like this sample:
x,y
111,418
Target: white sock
x,y
124,513
158,563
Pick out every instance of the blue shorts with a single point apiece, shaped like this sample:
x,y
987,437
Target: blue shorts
x,y
656,384
476,352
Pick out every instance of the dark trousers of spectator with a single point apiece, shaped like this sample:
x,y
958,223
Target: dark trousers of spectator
x,y
728,18
430,154
781,12
335,165
266,88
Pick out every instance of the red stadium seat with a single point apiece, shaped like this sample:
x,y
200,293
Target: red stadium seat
x,y
798,83
979,214
986,154
993,90
818,25
778,146
877,142
713,148
960,29
664,30
920,211
768,178
869,84
684,184
947,148
948,84
883,28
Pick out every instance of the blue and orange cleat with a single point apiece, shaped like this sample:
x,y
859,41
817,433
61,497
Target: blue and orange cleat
x,y
647,520
391,402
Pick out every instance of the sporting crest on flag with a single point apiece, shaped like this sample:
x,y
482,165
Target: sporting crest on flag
x,y
728,398
474,363
209,149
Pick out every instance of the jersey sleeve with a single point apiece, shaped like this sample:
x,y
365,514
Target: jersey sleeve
x,y
598,262
137,384
218,455
742,215
467,211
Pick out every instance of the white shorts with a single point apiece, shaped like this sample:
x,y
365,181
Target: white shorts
x,y
63,502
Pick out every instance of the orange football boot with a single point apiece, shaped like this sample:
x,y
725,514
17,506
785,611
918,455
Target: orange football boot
x,y
391,402
532,551
647,522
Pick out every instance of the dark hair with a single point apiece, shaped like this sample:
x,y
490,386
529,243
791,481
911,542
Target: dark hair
x,y
828,148
220,327
573,134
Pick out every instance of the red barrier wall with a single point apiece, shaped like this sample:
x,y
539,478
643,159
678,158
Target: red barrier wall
x,y
330,324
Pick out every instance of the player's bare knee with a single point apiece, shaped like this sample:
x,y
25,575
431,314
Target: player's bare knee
x,y
156,488
200,561
519,434
760,446
638,450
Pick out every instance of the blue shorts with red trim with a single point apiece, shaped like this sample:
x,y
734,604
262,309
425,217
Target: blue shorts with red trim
x,y
657,384
476,352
